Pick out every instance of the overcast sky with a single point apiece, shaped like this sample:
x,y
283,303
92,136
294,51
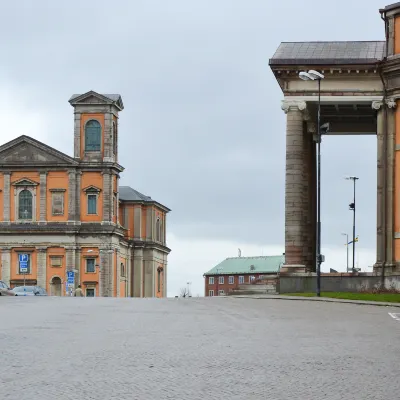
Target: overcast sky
x,y
202,131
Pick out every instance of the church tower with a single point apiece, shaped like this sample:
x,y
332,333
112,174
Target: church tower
x,y
96,126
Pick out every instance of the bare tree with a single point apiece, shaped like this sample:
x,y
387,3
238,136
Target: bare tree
x,y
184,292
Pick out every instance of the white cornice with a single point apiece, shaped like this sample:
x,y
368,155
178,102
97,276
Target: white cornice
x,y
335,99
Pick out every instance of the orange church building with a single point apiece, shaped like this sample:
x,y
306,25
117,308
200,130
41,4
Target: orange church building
x,y
65,221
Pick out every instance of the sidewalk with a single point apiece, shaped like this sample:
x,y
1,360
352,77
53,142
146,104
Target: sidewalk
x,y
324,299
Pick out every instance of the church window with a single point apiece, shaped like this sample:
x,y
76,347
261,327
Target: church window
x,y
92,203
25,203
92,136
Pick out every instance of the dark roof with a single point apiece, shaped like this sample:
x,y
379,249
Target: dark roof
x,y
392,6
126,193
317,53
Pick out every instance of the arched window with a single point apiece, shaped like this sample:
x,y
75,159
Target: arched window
x,y
115,139
25,201
158,230
92,136
122,269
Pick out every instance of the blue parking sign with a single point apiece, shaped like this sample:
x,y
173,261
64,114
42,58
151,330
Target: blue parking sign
x,y
23,258
70,277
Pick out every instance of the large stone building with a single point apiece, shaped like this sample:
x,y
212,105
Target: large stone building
x,y
359,95
67,217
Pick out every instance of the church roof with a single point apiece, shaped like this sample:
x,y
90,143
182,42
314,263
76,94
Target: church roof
x,y
126,193
248,265
113,97
327,53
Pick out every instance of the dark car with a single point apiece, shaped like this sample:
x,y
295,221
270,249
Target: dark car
x,y
29,291
5,290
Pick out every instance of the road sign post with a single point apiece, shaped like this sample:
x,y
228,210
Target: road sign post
x,y
23,264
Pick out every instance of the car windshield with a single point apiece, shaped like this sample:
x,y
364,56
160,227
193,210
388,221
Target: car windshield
x,y
24,289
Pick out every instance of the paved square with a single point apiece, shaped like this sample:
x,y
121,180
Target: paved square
x,y
205,348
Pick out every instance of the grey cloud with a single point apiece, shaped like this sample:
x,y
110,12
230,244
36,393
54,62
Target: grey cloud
x,y
202,130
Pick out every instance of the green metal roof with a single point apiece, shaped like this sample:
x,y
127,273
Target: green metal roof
x,y
247,265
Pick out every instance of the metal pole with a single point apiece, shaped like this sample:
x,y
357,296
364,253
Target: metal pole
x,y
354,224
319,193
347,247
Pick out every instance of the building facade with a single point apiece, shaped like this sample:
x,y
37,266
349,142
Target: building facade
x,y
359,94
66,220
235,271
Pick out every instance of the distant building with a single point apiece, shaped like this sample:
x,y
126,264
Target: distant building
x,y
235,271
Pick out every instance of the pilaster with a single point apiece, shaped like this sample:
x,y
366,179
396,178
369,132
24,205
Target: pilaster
x,y
107,198
43,198
7,196
42,267
108,137
78,196
149,223
137,222
137,272
6,265
295,210
71,196
77,135
78,255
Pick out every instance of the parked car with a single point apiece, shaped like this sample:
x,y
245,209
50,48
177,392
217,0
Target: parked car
x,y
29,291
5,290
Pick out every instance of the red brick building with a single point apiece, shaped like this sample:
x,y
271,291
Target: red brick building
x,y
235,271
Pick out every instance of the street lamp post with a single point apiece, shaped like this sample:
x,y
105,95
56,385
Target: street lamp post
x,y
347,251
352,207
317,76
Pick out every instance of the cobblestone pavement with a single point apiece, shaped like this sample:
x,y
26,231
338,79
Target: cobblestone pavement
x,y
203,348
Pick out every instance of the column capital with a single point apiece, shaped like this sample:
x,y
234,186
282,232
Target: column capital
x,y
294,105
376,105
41,249
391,102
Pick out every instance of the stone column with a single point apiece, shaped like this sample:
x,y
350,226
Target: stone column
x,y
295,212
165,278
107,197
7,197
117,206
138,272
380,203
6,265
71,196
42,267
43,198
391,146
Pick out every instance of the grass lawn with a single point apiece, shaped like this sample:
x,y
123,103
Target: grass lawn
x,y
385,297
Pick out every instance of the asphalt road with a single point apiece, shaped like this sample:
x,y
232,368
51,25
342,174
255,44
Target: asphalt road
x,y
208,348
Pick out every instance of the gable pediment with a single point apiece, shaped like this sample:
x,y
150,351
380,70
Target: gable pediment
x,y
91,189
93,98
25,150
25,182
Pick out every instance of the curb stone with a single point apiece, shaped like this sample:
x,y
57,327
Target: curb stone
x,y
323,299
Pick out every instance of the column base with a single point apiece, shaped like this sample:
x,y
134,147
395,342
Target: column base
x,y
294,269
390,268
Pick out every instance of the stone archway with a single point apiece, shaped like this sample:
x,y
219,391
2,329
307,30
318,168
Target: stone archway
x,y
56,286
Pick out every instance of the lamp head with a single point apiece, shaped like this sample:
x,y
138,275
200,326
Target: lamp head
x,y
305,76
315,74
